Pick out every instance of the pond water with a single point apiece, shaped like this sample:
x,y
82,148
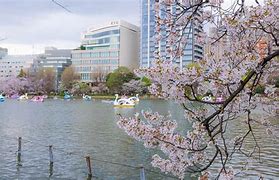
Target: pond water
x,y
78,128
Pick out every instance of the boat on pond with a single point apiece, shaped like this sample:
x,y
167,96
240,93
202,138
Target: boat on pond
x,y
207,98
14,96
123,102
2,98
23,97
38,99
135,99
86,97
67,96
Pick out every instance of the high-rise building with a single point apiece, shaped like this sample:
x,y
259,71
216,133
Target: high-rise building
x,y
105,48
57,59
191,52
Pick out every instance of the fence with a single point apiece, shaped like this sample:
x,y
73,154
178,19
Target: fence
x,y
89,160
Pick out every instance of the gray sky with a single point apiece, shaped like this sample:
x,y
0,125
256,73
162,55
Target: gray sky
x,y
30,25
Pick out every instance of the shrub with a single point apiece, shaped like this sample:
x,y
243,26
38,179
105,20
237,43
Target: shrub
x,y
259,89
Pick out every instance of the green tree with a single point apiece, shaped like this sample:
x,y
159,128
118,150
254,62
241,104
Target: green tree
x,y
82,47
118,77
259,89
146,81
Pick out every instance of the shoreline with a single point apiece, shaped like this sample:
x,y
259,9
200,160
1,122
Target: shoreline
x,y
148,97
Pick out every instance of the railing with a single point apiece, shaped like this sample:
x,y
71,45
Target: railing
x,y
88,159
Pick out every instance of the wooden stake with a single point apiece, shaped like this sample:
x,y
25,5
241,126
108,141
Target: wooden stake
x,y
50,155
88,163
50,161
142,173
19,152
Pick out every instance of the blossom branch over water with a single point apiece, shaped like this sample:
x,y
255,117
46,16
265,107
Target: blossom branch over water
x,y
230,78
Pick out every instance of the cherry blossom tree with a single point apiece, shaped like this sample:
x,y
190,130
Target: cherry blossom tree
x,y
15,85
230,79
134,87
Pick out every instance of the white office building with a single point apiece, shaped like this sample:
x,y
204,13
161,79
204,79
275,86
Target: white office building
x,y
105,48
11,65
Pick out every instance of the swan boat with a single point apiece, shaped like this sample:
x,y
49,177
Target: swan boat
x,y
2,98
135,99
14,96
123,102
207,98
86,97
23,97
38,99
67,96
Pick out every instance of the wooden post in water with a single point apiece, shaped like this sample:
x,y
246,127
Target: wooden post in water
x,y
50,154
19,152
88,163
50,161
142,173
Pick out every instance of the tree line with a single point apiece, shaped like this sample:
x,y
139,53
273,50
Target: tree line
x,y
44,81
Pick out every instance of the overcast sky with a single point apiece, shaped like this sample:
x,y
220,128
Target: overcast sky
x,y
30,25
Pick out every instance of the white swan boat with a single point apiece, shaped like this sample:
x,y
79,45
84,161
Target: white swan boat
x,y
123,102
23,97
135,99
207,99
86,97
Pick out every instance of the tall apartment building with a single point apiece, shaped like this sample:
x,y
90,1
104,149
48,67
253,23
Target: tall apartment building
x,y
192,51
58,59
11,65
105,48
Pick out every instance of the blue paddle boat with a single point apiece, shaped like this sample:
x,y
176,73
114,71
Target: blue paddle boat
x,y
67,96
2,98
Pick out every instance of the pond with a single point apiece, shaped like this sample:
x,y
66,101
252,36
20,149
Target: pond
x,y
78,128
